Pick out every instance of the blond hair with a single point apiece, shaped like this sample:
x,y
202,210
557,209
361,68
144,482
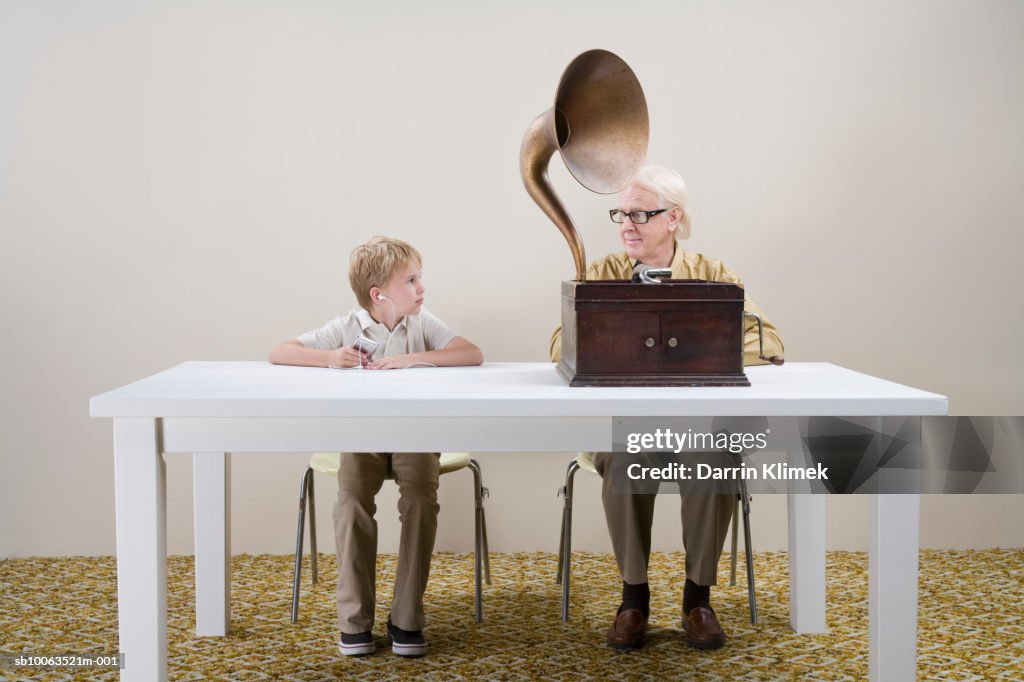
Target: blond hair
x,y
374,263
671,191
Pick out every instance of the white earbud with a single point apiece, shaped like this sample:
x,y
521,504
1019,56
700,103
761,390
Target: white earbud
x,y
381,297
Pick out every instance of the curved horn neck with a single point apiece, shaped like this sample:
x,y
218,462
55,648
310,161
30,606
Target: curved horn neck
x,y
599,123
539,144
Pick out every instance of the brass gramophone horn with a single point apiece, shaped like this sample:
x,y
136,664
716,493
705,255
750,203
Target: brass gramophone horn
x,y
599,123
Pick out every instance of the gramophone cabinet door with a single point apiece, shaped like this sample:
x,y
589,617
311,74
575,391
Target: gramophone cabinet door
x,y
618,342
703,339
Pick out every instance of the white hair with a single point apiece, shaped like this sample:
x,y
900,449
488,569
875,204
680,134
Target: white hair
x,y
671,191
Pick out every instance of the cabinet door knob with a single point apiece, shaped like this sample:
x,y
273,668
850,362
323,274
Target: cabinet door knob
x,y
673,342
649,342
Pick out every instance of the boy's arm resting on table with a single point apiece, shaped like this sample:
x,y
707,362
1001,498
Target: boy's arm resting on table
x,y
294,353
458,353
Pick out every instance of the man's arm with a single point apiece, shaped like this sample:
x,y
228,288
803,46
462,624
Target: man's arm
x,y
555,349
600,269
751,347
292,352
458,353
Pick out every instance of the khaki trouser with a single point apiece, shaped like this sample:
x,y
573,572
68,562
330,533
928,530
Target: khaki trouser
x,y
706,520
360,476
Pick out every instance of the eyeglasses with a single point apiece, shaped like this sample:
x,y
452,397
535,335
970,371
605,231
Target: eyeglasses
x,y
638,217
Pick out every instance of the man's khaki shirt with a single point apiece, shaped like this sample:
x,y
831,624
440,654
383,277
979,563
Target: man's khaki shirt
x,y
688,265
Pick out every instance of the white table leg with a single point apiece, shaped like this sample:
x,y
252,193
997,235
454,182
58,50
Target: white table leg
x,y
807,562
211,483
140,490
892,587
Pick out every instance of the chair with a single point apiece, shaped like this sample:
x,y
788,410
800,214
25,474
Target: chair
x,y
585,461
329,462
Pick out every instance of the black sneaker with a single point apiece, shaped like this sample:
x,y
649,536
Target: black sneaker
x,y
359,644
407,643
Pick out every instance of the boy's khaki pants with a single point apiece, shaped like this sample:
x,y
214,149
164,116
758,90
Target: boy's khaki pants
x,y
706,520
360,476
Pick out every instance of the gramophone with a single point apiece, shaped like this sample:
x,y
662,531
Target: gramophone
x,y
648,331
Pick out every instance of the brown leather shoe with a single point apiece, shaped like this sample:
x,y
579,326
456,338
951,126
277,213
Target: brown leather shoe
x,y
627,632
702,629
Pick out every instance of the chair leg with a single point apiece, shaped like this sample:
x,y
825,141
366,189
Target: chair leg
x,y
486,546
748,547
311,502
561,540
561,531
479,540
735,541
482,494
303,488
565,558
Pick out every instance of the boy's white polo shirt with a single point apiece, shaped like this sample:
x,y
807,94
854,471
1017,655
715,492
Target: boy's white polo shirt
x,y
413,333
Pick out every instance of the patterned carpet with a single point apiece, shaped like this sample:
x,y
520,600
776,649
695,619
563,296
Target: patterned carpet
x,y
971,623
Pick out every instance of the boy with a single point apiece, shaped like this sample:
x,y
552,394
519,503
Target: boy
x,y
385,275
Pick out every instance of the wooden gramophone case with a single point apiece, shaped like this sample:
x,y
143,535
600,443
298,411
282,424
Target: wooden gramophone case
x,y
677,333
617,333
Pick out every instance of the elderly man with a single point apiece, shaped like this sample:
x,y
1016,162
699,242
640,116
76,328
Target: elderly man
x,y
653,217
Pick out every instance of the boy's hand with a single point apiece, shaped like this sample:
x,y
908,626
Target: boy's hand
x,y
390,362
346,357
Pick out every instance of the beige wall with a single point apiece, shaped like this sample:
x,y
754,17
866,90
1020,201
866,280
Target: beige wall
x,y
185,181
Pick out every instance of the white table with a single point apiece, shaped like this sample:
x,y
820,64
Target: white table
x,y
212,409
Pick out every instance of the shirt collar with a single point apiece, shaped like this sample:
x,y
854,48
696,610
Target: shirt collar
x,y
675,265
366,320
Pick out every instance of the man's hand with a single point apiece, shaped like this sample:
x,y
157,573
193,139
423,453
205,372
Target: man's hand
x,y
346,357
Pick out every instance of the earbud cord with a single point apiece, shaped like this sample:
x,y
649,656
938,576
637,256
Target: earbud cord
x,y
394,321
394,315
